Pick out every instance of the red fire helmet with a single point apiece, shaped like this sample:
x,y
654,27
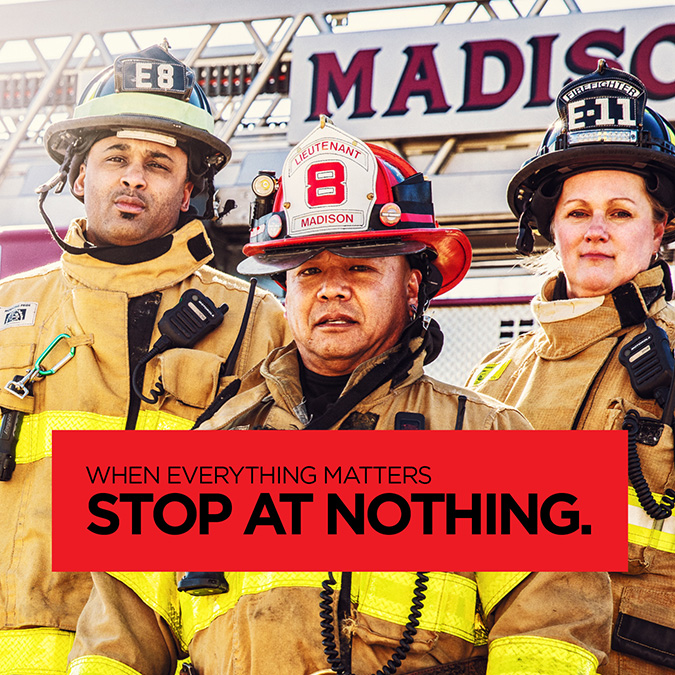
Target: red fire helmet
x,y
354,199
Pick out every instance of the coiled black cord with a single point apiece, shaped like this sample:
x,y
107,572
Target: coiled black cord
x,y
400,653
157,391
631,423
327,630
136,380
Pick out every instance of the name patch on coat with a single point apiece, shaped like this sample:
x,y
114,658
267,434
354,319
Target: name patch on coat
x,y
21,314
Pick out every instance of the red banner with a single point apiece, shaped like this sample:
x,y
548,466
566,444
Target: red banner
x,y
354,500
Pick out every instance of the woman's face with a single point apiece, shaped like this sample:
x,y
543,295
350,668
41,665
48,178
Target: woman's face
x,y
604,230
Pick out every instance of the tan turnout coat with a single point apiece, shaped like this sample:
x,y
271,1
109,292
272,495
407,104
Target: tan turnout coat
x,y
269,621
567,375
88,300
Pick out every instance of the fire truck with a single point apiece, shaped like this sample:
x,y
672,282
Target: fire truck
x,y
462,89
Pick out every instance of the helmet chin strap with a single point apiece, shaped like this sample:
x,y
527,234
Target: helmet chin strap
x,y
118,255
525,240
57,182
431,281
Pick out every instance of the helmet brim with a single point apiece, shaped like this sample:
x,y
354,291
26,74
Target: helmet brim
x,y
288,260
451,246
59,136
562,164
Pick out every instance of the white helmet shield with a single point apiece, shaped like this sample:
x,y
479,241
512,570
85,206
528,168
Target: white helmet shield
x,y
329,184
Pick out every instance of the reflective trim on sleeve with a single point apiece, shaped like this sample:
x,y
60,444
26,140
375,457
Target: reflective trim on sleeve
x,y
532,655
494,586
99,665
35,438
27,651
646,531
449,606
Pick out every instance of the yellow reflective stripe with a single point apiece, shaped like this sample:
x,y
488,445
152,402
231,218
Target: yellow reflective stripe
x,y
158,420
99,665
34,651
134,103
531,655
449,606
494,586
646,531
35,439
490,372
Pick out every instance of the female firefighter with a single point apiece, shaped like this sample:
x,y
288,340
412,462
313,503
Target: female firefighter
x,y
601,189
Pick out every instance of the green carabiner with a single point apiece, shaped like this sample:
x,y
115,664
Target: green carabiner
x,y
38,364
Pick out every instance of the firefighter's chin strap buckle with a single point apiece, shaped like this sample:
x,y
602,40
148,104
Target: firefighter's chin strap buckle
x,y
525,240
60,178
57,182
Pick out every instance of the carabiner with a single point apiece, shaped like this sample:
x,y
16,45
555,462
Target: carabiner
x,y
38,364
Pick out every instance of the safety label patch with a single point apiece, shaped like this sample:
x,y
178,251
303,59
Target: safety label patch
x,y
489,372
21,314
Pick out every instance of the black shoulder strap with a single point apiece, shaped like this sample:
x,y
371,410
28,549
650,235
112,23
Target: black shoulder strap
x,y
395,368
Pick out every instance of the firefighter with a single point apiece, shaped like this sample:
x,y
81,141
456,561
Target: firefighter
x,y
601,189
139,145
351,235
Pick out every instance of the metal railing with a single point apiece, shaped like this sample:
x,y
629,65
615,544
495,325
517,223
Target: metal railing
x,y
64,42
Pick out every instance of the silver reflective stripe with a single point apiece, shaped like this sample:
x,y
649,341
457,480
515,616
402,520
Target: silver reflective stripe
x,y
644,530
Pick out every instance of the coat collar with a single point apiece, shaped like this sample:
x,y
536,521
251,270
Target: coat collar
x,y
185,251
570,326
281,373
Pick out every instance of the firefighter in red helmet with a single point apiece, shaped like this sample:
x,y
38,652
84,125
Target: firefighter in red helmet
x,y
349,231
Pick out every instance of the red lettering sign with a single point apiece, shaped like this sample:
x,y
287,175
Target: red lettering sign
x,y
420,78
329,78
473,78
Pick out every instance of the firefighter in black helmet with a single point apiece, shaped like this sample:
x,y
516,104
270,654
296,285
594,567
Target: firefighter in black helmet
x,y
601,189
